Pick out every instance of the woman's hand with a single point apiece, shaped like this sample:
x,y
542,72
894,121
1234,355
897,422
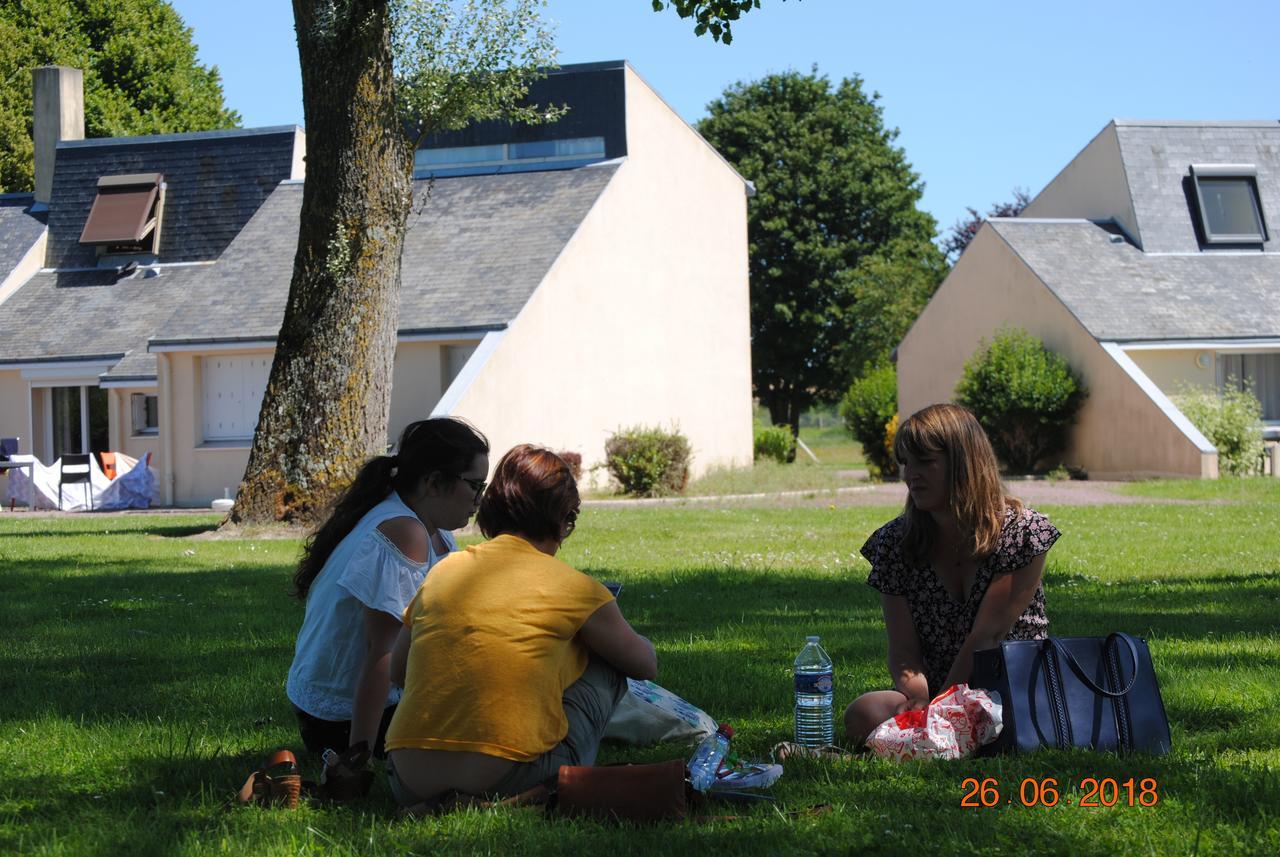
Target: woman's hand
x,y
912,703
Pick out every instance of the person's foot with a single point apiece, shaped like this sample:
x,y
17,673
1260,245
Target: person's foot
x,y
790,749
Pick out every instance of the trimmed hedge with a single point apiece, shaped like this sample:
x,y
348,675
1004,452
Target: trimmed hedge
x,y
1025,396
868,409
648,462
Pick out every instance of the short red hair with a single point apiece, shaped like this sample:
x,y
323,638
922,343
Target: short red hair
x,y
532,494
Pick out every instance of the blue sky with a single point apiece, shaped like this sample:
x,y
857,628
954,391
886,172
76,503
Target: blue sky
x,y
987,96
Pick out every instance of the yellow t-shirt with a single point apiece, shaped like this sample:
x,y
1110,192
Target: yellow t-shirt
x,y
494,644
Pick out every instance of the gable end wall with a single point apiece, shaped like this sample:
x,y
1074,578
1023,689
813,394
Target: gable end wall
x,y
1120,431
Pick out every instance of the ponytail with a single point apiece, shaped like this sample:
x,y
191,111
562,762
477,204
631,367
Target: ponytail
x,y
445,444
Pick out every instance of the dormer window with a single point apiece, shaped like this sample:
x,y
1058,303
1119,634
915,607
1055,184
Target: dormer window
x,y
125,217
1230,211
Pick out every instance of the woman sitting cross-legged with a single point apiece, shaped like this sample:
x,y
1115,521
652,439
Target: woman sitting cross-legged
x,y
959,570
512,662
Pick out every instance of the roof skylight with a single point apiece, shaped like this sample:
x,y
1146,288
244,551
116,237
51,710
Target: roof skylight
x,y
1227,196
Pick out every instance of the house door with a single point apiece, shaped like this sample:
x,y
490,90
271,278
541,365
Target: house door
x,y
78,420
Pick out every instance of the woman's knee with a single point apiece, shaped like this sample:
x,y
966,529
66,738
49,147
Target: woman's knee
x,y
867,712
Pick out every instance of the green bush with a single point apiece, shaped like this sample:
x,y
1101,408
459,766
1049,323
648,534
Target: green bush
x,y
868,409
776,442
1231,420
648,462
1024,396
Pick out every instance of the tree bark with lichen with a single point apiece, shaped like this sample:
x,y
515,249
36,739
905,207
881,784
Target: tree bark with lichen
x,y
328,400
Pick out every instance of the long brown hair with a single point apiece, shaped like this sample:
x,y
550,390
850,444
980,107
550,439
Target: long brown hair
x,y
977,496
443,445
532,494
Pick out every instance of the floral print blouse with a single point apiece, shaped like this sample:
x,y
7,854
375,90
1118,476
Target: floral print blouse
x,y
942,623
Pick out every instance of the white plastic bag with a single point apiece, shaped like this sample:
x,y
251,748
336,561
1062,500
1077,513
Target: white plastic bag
x,y
956,723
650,714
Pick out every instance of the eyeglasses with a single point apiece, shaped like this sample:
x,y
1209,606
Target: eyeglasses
x,y
478,484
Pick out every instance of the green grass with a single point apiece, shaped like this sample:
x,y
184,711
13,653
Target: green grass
x,y
141,677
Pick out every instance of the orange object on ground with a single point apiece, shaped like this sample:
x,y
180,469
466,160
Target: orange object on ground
x,y
108,464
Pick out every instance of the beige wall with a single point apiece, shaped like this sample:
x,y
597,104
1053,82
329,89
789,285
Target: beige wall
x,y
1093,186
416,384
654,288
199,472
1168,369
1121,431
121,426
13,416
202,471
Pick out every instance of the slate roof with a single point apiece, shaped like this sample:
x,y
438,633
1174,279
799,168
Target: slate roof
x,y
19,229
476,249
1157,156
215,182
1118,292
73,315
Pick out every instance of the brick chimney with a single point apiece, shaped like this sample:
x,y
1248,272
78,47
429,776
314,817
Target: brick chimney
x,y
58,94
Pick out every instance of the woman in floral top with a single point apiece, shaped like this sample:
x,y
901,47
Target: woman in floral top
x,y
959,570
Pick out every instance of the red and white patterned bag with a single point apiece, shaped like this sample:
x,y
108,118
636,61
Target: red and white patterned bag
x,y
956,723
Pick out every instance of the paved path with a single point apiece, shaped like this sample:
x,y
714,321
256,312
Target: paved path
x,y
1033,493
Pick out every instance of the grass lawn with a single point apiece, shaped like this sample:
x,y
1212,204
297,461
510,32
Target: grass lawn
x,y
142,670
840,464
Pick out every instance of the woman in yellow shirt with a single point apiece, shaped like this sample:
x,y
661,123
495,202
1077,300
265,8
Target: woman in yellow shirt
x,y
511,660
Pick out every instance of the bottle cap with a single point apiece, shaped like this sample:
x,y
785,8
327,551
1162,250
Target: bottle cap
x,y
726,729
812,639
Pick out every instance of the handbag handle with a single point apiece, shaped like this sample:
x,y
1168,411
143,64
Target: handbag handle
x,y
1080,673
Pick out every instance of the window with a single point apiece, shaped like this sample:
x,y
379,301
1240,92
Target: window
x,y
1261,372
426,161
146,413
233,390
585,147
453,358
1227,195
125,217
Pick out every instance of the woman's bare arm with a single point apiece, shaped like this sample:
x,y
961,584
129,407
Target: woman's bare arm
x,y
1007,597
611,637
906,666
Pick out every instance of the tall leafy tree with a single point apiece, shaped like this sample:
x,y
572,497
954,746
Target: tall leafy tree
x,y
378,76
841,258
962,231
141,75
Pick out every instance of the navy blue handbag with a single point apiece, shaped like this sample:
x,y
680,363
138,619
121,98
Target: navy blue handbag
x,y
1064,692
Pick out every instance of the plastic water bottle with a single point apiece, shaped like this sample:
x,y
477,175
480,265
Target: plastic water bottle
x,y
813,695
705,761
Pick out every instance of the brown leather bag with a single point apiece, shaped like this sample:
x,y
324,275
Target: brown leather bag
x,y
656,792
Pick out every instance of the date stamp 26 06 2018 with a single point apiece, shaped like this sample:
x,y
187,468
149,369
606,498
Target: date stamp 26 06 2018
x,y
985,793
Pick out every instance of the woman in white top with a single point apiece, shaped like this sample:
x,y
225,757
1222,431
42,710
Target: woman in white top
x,y
360,569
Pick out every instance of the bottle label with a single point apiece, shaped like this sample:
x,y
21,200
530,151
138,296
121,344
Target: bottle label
x,y
814,683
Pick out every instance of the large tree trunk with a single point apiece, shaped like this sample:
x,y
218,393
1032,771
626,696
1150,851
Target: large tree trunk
x,y
328,400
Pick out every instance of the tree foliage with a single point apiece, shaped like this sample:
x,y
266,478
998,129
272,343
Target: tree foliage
x,y
841,258
141,75
962,231
710,16
1024,395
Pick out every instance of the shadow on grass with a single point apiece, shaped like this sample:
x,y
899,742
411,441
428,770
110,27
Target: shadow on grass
x,y
170,531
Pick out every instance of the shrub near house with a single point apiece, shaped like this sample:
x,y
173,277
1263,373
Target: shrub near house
x,y
1024,395
776,442
648,462
868,409
1231,420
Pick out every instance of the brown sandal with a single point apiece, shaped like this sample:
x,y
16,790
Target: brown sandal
x,y
278,783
